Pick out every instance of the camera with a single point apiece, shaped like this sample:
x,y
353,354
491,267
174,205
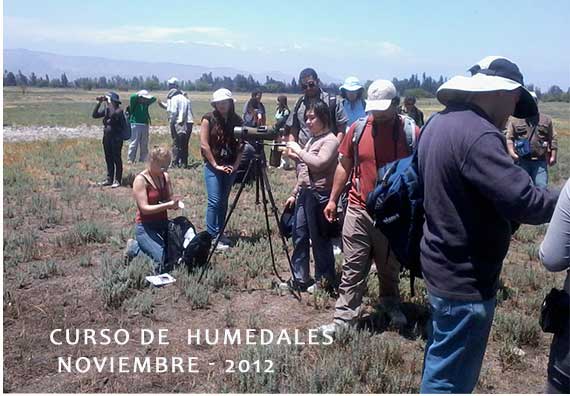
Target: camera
x,y
257,133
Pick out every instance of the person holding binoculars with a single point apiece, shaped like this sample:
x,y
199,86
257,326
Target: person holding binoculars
x,y
113,121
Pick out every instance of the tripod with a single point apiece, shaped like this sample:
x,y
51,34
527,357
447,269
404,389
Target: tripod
x,y
257,165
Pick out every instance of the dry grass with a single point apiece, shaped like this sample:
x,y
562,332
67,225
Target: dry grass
x,y
63,242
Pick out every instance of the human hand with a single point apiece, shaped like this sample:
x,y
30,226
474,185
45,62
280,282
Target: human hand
x,y
173,204
330,212
290,202
552,159
225,168
294,147
291,155
514,156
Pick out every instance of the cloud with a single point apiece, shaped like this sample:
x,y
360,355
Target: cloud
x,y
388,49
37,30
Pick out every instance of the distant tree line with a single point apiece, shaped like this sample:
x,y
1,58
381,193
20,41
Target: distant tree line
x,y
424,87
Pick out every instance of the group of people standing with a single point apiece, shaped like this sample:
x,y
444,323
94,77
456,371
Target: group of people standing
x,y
180,121
474,195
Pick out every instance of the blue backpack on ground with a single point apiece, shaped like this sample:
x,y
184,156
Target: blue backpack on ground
x,y
396,206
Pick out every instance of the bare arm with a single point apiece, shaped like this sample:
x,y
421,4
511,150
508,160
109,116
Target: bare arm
x,y
341,175
205,144
510,145
161,104
139,193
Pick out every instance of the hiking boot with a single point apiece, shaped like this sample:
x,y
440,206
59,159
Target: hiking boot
x,y
333,328
391,307
116,184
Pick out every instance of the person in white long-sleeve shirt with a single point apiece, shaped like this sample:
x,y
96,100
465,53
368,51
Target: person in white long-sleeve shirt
x,y
180,119
555,256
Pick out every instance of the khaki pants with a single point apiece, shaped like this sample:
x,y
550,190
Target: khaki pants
x,y
362,243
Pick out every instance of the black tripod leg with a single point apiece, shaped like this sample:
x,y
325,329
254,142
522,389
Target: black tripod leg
x,y
264,199
267,187
232,207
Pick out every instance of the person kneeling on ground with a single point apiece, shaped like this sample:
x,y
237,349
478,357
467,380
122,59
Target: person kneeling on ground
x,y
152,191
315,173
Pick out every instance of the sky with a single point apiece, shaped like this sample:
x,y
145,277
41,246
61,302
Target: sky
x,y
369,39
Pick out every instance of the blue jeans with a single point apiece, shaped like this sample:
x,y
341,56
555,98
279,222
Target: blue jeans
x,y
151,240
457,339
305,228
537,169
218,186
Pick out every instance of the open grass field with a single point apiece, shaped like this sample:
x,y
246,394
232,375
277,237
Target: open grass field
x,y
63,268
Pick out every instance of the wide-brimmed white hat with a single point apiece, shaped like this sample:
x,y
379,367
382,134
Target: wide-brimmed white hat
x,y
220,95
143,93
490,74
172,81
380,95
351,84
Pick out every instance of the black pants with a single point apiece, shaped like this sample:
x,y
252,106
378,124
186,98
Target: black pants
x,y
180,137
112,145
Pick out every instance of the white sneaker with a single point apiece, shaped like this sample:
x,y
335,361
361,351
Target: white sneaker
x,y
333,328
336,250
116,184
222,246
312,289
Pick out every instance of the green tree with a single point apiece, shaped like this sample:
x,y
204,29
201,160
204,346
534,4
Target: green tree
x,y
9,79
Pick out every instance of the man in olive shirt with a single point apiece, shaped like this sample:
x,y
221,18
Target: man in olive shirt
x,y
296,128
140,120
540,152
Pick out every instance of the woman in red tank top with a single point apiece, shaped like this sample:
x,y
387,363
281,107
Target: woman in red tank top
x,y
152,191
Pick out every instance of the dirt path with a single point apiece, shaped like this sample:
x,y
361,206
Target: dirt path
x,y
14,134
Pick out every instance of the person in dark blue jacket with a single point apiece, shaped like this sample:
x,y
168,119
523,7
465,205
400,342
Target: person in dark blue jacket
x,y
474,195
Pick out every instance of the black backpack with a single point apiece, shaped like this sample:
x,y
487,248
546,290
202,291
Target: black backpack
x,y
195,254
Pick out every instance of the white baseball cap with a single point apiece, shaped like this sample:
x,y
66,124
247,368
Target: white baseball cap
x,y
220,95
380,95
144,94
173,81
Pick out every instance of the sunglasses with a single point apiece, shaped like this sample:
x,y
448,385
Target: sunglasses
x,y
310,84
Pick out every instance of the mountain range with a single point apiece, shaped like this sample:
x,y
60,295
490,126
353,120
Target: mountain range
x,y
54,65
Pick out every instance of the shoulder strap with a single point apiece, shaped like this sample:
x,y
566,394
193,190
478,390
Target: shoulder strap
x,y
296,110
410,131
356,137
332,110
